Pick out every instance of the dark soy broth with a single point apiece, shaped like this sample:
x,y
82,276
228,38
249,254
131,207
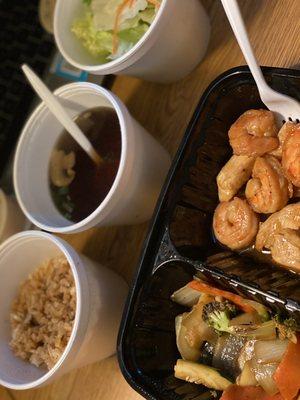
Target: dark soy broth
x,y
91,183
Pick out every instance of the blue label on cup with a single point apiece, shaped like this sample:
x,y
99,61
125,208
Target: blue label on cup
x,y
62,68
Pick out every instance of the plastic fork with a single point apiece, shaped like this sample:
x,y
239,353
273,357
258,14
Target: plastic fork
x,y
284,107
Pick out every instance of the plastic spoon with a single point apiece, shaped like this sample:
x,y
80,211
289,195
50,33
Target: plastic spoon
x,y
60,113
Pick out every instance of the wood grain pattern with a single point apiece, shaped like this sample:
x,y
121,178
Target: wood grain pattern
x,y
5,394
274,30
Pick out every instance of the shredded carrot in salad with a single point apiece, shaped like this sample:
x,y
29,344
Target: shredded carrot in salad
x,y
156,3
120,9
119,12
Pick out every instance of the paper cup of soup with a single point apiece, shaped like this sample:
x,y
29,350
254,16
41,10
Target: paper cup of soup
x,y
157,40
59,309
61,190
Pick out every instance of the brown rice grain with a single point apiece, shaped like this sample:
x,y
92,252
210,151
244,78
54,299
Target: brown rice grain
x,y
43,313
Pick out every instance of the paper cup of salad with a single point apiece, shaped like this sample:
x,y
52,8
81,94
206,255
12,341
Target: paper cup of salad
x,y
157,40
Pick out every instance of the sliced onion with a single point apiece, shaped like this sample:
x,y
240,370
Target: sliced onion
x,y
186,296
247,353
245,319
197,331
264,376
262,310
247,377
185,350
266,331
270,351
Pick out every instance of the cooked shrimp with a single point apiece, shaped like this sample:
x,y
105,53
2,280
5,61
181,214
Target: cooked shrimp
x,y
233,176
285,249
280,234
287,218
296,192
268,191
286,129
254,133
291,156
235,224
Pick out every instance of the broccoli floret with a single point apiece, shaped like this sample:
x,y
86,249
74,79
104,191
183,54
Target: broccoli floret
x,y
286,327
218,314
219,321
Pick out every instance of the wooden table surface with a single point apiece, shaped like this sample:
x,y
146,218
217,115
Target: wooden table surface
x,y
274,30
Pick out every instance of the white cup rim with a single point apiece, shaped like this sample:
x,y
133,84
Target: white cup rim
x,y
117,64
61,246
107,201
3,211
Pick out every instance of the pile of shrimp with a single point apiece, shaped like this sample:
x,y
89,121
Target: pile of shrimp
x,y
259,189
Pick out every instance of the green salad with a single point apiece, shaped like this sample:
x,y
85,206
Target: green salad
x,y
110,28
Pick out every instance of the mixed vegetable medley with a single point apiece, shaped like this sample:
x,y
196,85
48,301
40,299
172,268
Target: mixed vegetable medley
x,y
235,345
110,28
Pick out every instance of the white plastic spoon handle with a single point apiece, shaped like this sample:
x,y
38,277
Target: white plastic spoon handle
x,y
237,24
59,112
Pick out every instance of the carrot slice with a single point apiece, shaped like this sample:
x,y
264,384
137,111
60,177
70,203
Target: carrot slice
x,y
235,392
119,12
207,289
287,375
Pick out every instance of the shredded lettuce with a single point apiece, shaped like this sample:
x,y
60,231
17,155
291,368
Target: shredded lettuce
x,y
128,38
95,28
148,15
104,12
98,43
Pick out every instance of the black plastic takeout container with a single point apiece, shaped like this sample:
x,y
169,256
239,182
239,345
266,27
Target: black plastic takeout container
x,y
180,242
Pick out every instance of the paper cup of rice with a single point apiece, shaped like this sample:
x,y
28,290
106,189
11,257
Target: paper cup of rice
x,y
60,310
157,40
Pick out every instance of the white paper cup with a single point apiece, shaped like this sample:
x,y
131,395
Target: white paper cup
x,y
12,219
143,165
100,297
172,47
